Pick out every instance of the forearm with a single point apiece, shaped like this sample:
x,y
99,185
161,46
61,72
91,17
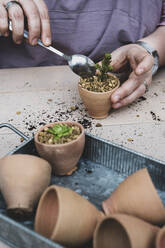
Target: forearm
x,y
156,40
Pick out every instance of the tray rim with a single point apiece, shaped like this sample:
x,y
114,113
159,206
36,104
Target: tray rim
x,y
19,226
29,139
142,155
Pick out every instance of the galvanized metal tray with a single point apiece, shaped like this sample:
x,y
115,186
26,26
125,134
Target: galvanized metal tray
x,y
102,167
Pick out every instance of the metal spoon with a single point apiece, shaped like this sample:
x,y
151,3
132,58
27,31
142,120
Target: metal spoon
x,y
79,64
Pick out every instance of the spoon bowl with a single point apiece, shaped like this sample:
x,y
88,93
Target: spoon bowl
x,y
82,65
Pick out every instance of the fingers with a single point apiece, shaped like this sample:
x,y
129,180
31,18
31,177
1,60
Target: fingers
x,y
141,63
137,57
132,89
145,65
15,14
33,18
45,22
37,16
125,90
131,98
119,58
3,21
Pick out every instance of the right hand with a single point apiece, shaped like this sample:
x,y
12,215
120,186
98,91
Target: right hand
x,y
141,63
37,16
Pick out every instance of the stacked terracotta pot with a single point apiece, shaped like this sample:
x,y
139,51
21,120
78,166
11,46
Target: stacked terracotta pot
x,y
134,213
23,178
66,217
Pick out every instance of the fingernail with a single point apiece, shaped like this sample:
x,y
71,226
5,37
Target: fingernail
x,y
47,42
116,98
18,42
6,34
34,41
140,70
117,105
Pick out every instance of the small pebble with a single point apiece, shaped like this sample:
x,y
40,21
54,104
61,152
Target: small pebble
x,y
98,125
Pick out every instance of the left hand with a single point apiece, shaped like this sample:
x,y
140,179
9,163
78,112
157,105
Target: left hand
x,y
141,63
36,13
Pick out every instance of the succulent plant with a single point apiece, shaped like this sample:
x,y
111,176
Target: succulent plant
x,y
60,130
104,68
103,80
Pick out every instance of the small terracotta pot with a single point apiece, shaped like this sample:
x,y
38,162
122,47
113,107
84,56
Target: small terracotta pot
x,y
62,157
98,104
136,196
23,178
66,217
160,238
124,231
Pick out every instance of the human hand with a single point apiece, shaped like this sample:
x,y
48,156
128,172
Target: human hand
x,y
37,16
141,63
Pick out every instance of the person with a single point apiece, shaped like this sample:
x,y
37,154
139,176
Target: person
x,y
89,27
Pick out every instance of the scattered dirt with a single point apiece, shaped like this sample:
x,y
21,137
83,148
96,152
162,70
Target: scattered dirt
x,y
18,112
142,98
22,139
154,116
98,125
34,121
155,94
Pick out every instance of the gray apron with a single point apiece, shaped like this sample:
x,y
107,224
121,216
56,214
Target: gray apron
x,y
89,27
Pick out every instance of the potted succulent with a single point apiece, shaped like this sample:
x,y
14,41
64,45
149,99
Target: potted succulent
x,y
62,144
95,91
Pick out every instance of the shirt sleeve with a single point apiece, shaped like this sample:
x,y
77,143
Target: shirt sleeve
x,y
162,18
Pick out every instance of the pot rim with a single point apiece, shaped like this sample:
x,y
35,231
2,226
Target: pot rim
x,y
40,205
115,218
55,190
101,93
60,122
56,227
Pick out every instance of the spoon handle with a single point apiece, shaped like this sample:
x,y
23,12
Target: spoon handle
x,y
50,48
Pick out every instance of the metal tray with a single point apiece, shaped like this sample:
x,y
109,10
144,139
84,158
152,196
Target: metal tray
x,y
102,167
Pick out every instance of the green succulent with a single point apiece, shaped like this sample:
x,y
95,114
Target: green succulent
x,y
60,130
104,68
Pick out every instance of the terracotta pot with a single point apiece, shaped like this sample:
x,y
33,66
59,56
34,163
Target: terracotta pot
x,y
23,178
66,217
62,157
136,196
98,104
160,238
124,231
